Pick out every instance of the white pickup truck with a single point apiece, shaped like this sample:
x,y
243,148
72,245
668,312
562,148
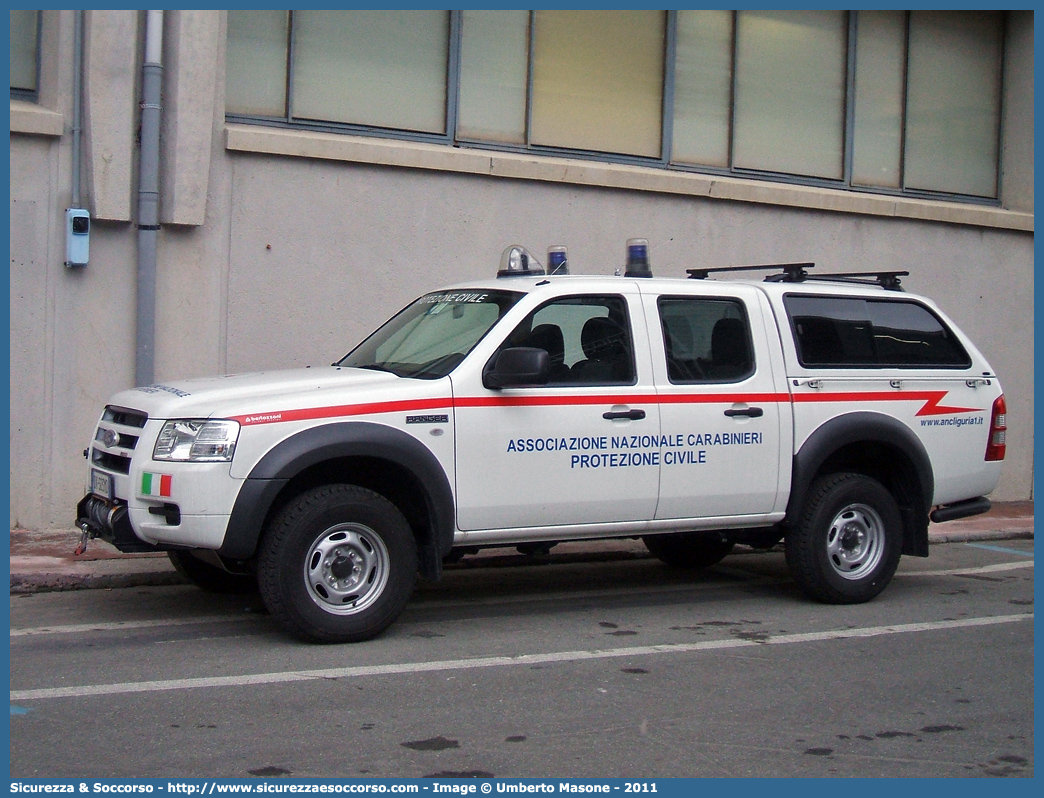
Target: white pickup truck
x,y
835,413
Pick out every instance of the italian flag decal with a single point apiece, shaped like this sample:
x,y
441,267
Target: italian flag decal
x,y
156,484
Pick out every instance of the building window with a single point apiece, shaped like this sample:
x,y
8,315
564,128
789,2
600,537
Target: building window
x,y
25,44
598,81
790,92
382,69
255,74
390,68
907,103
953,101
879,99
702,123
494,74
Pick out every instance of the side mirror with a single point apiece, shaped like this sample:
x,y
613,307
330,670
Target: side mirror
x,y
518,367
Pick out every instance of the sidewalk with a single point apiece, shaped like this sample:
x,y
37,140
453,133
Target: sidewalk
x,y
44,561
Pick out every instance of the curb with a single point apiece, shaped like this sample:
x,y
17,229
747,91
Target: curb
x,y
23,584
989,534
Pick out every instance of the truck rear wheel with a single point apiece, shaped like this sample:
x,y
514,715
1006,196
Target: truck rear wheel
x,y
337,564
689,549
847,545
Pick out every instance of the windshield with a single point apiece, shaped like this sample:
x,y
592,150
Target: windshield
x,y
427,339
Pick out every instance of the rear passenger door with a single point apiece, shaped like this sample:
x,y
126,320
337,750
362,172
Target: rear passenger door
x,y
720,412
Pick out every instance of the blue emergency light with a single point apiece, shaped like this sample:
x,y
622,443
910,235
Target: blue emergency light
x,y
557,262
637,258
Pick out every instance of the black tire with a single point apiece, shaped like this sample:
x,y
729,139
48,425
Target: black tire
x,y
847,545
337,564
689,550
210,577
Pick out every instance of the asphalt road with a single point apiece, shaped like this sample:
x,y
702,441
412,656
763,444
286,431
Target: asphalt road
x,y
617,668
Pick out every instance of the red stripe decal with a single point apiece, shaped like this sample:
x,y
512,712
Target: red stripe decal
x,y
721,398
931,399
932,403
312,413
551,401
165,484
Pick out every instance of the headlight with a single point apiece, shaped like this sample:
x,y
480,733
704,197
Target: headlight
x,y
197,441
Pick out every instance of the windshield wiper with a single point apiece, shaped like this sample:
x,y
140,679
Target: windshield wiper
x,y
376,367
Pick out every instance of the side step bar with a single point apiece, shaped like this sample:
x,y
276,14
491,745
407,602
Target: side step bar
x,y
952,512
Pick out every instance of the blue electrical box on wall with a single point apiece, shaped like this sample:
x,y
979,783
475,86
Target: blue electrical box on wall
x,y
77,236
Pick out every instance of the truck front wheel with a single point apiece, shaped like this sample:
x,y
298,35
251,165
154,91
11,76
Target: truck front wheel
x,y
847,544
337,564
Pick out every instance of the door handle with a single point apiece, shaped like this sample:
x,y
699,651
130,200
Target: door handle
x,y
633,415
749,412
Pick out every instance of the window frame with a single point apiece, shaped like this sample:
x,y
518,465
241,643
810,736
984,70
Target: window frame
x,y
32,95
511,340
664,161
877,365
744,317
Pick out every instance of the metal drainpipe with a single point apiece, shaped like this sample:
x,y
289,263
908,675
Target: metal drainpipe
x,y
148,198
77,122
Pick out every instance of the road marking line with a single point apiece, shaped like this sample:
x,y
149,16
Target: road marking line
x,y
490,662
1003,549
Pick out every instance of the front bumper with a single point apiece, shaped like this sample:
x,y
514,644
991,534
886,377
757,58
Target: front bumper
x,y
110,521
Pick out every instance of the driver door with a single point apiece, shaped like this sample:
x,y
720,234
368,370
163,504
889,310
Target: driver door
x,y
568,453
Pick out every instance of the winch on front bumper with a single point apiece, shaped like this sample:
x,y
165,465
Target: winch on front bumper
x,y
110,521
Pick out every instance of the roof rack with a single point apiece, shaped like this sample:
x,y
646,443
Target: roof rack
x,y
798,273
887,280
792,272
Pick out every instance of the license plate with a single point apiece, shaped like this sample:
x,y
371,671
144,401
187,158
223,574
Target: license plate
x,y
101,484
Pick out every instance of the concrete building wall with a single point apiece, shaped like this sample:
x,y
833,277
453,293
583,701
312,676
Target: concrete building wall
x,y
32,325
286,254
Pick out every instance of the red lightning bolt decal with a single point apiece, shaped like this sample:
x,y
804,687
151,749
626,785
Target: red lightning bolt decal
x,y
931,399
933,408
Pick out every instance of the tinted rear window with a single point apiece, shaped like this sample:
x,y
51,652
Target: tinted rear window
x,y
871,333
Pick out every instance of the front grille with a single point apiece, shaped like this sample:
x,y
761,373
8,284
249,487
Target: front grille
x,y
125,417
109,438
112,462
123,440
